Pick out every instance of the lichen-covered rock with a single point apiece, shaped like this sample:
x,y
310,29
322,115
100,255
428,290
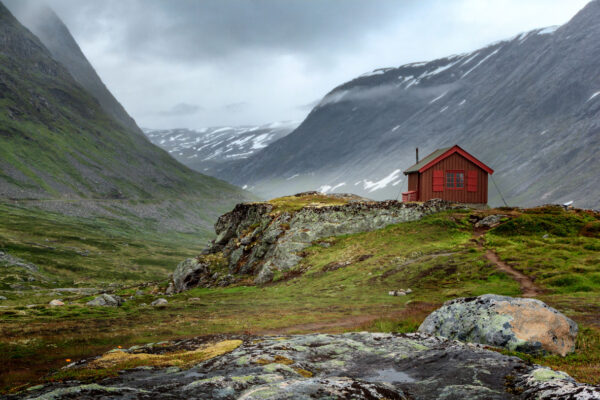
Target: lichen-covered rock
x,y
526,325
190,273
56,303
11,261
490,221
256,239
352,365
159,302
265,275
106,300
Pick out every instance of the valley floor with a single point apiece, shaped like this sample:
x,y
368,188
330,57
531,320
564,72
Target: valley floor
x,y
341,285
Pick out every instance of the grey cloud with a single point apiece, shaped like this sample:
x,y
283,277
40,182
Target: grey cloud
x,y
181,109
191,30
236,107
308,106
274,56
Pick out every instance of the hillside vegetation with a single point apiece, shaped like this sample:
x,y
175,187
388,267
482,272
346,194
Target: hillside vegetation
x,y
60,151
341,284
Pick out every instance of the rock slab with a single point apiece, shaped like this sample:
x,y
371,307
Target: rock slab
x,y
349,366
518,324
106,300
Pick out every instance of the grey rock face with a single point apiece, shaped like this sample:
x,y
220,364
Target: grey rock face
x,y
526,325
106,300
11,261
536,89
190,273
490,221
159,302
3,298
348,366
264,276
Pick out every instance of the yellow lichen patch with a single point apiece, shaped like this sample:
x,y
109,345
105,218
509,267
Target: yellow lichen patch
x,y
216,261
185,359
303,372
276,360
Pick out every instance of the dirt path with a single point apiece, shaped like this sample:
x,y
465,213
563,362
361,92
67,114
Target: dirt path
x,y
528,288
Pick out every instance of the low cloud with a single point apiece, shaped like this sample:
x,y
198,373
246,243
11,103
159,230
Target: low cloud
x,y
181,109
264,58
236,107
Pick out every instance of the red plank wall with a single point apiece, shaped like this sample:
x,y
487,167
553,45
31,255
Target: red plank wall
x,y
453,163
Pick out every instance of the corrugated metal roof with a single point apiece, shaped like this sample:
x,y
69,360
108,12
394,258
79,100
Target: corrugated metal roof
x,y
426,160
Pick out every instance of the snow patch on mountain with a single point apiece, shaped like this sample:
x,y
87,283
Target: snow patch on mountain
x,y
439,97
481,62
548,31
371,186
202,149
330,189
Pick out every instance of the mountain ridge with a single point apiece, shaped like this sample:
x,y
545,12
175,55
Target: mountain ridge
x,y
43,22
208,150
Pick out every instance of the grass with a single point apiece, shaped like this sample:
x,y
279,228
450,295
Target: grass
x,y
85,252
295,203
339,288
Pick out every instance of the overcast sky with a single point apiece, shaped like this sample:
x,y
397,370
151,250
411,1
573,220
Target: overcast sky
x,y
196,63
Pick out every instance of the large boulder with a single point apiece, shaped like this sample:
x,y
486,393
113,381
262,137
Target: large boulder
x,y
190,274
106,300
526,325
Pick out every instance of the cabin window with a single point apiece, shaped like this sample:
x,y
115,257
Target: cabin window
x,y
455,179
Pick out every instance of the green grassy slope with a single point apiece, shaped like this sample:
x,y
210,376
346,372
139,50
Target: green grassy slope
x,y
337,288
56,142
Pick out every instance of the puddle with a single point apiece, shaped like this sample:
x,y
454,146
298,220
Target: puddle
x,y
390,375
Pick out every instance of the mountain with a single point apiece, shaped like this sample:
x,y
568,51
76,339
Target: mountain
x,y
52,32
60,150
529,107
209,150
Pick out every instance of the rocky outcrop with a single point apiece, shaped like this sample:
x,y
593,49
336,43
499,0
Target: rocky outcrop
x,y
198,272
258,238
490,221
106,300
6,260
526,325
353,365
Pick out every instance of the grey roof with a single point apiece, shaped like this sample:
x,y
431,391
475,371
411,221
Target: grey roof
x,y
426,160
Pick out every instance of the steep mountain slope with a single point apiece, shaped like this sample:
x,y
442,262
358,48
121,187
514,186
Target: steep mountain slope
x,y
529,107
58,147
208,150
53,33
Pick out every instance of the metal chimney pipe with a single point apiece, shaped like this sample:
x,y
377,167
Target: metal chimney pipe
x,y
417,155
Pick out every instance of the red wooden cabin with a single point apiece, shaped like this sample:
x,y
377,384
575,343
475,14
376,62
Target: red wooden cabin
x,y
450,174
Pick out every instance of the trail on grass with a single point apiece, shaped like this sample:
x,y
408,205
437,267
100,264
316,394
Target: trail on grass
x,y
528,288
